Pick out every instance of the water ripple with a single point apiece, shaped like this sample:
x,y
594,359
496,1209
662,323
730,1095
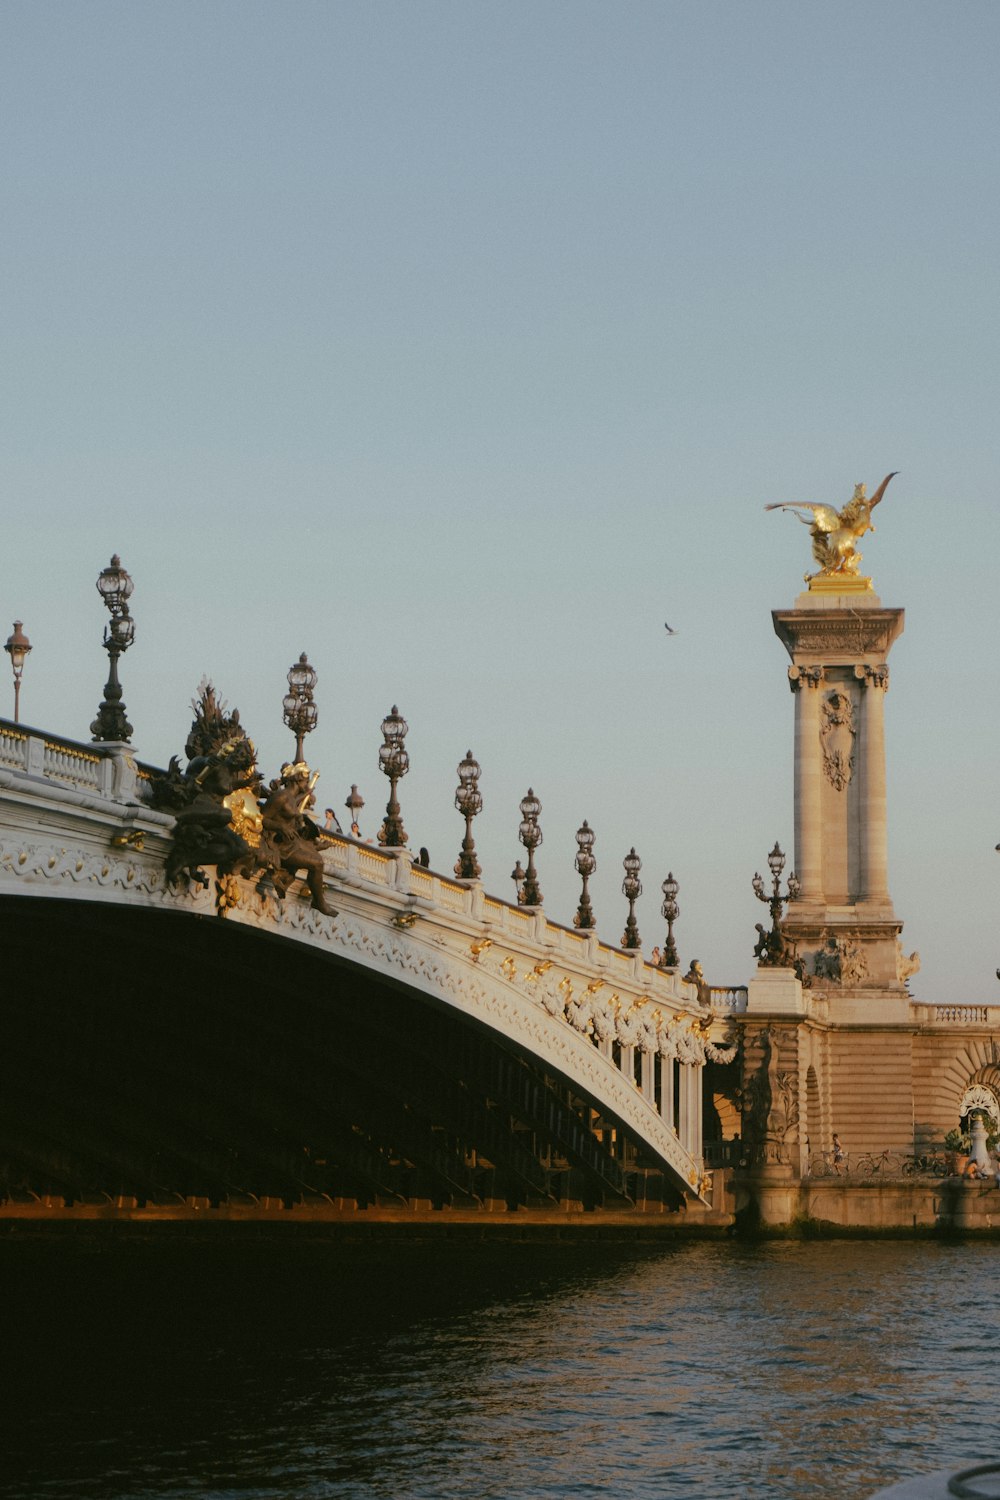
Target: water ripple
x,y
465,1373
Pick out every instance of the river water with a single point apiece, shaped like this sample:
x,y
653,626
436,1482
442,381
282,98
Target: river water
x,y
469,1371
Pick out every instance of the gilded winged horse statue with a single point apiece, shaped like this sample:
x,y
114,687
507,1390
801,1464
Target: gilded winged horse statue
x,y
835,533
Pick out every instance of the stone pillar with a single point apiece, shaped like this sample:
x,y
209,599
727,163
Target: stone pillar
x,y
667,1091
842,923
874,841
683,1100
647,1064
690,1100
696,1146
804,682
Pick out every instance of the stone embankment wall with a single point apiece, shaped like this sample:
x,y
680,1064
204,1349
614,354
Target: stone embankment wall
x,y
927,1204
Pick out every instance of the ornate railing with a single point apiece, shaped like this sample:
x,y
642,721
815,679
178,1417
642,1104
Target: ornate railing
x,y
728,999
963,1015
85,767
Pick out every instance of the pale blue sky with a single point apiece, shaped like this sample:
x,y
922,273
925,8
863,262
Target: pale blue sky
x,y
461,345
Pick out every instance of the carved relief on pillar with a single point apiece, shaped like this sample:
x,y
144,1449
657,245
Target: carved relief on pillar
x,y
769,1102
800,677
841,960
876,677
836,734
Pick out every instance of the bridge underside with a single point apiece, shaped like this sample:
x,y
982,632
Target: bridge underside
x,y
159,1063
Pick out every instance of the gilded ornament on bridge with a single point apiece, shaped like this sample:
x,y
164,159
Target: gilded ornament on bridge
x,y
135,838
227,894
835,535
244,811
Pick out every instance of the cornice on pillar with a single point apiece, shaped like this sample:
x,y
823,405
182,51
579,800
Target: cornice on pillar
x,y
840,637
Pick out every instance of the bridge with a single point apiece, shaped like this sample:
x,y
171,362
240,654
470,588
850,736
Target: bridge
x,y
173,1049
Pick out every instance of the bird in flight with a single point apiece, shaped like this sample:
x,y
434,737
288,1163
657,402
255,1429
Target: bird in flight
x,y
669,628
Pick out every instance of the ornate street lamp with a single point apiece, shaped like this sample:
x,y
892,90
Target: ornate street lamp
x,y
531,836
299,710
519,876
585,864
671,912
469,801
771,948
17,648
355,802
394,762
115,587
631,890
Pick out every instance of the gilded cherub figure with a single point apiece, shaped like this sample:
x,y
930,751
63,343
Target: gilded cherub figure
x,y
836,533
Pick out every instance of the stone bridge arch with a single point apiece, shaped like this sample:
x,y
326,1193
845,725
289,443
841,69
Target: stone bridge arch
x,y
547,1056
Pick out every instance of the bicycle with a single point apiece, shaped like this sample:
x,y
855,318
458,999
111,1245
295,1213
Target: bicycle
x,y
929,1164
886,1164
825,1164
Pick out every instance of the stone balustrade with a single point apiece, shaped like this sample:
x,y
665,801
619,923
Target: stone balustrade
x,y
967,1015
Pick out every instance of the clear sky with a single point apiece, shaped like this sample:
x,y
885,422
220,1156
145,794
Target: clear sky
x,y
461,345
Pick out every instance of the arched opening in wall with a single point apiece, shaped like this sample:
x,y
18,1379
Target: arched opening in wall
x,y
721,1120
982,1097
814,1119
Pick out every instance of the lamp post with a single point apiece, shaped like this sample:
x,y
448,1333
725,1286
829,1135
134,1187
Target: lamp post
x,y
394,762
531,836
519,876
115,587
17,648
354,803
771,948
631,890
299,710
469,802
585,864
671,912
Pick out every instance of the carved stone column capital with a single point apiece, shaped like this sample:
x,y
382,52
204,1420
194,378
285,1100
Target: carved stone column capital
x,y
800,677
876,677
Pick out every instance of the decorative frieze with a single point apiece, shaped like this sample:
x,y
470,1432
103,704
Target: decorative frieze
x,y
851,635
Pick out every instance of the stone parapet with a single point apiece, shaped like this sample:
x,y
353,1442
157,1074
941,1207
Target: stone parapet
x,y
776,992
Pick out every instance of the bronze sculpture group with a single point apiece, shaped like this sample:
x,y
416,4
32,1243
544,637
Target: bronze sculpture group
x,y
226,817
